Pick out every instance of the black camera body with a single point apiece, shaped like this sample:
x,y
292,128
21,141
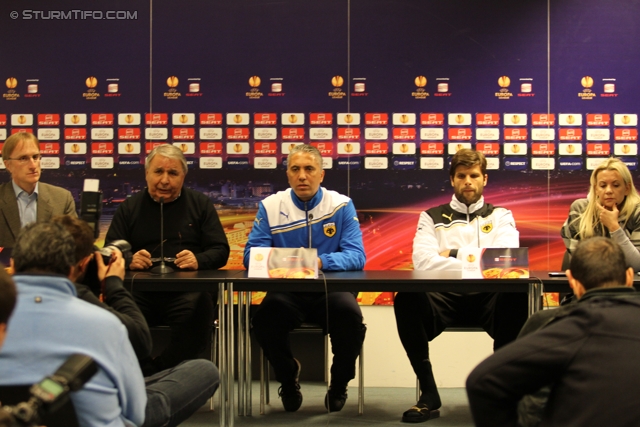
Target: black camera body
x,y
90,278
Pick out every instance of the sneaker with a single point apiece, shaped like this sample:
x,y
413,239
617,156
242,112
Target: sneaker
x,y
290,393
335,399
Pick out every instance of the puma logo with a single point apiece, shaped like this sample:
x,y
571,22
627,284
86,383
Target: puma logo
x,y
448,217
284,215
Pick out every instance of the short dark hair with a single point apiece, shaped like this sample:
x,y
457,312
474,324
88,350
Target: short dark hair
x,y
81,233
599,262
44,247
468,158
8,295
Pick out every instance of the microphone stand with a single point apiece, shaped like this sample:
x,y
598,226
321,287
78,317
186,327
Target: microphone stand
x,y
162,268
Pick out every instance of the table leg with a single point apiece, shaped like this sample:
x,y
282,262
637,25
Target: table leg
x,y
230,356
241,355
247,359
222,355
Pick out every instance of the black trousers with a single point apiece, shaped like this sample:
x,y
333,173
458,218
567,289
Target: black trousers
x,y
188,314
420,317
281,312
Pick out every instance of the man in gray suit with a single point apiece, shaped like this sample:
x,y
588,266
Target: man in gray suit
x,y
24,199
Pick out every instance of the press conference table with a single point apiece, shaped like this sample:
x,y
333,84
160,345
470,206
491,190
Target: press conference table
x,y
225,282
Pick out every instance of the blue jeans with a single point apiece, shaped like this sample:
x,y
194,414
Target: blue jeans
x,y
173,395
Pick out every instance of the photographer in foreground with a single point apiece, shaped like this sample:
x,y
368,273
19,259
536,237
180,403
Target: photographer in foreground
x,y
173,394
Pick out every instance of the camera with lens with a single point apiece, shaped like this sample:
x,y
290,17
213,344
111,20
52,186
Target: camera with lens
x,y
121,245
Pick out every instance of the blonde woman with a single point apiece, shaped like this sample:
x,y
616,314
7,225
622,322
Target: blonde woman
x,y
611,209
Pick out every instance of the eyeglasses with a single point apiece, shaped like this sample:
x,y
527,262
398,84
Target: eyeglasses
x,y
24,159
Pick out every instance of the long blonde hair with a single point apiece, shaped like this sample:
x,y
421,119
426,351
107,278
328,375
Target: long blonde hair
x,y
589,221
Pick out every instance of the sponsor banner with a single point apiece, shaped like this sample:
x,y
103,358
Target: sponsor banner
x,y
129,119
598,120
75,119
488,148
493,163
565,149
316,134
571,134
154,134
78,148
102,134
455,119
75,134
3,135
516,163
543,149
211,162
293,134
129,148
210,119
238,134
325,148
156,119
432,134
625,120
350,148
48,134
625,149
515,134
515,149
454,147
49,148
238,163
211,148
265,134
543,134
292,119
3,119
347,134
327,163
74,162
543,119
376,119
22,120
214,134
570,163
376,148
376,134
237,148
594,162
406,119
102,163
287,146
487,119
101,119
151,145
511,119
50,163
570,119
191,161
186,147
348,119
598,149
459,134
47,120
543,163
407,148
376,163
102,149
404,163
186,119
265,119
625,134
320,119
432,148
404,134
129,134
432,119
348,163
129,162
16,130
265,148
431,163
265,163
598,134
488,134
237,119
631,162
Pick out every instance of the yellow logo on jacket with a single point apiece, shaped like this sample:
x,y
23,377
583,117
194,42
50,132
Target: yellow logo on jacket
x,y
487,227
329,229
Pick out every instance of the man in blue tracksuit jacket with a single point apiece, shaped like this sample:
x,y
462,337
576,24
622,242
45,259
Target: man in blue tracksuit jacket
x,y
307,215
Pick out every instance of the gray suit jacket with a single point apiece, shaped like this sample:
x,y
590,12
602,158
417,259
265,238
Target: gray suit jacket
x,y
52,201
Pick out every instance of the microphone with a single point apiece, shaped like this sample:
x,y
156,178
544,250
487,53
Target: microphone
x,y
162,268
309,219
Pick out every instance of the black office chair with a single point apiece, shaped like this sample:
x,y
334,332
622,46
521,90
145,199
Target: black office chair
x,y
63,417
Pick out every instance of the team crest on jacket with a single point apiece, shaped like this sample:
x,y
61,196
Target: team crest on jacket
x,y
329,229
487,227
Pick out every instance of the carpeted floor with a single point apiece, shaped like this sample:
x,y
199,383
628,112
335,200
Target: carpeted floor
x,y
382,406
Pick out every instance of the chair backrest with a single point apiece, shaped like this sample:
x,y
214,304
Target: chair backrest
x,y
63,417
